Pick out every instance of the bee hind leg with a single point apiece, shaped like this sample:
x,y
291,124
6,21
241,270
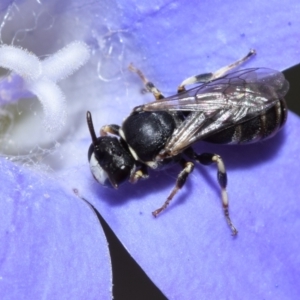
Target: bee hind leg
x,y
206,77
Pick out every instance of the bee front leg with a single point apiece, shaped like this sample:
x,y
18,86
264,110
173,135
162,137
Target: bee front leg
x,y
112,129
148,84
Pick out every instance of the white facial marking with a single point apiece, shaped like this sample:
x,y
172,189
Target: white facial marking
x,y
99,174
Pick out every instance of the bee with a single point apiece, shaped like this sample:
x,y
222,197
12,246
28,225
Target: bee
x,y
225,107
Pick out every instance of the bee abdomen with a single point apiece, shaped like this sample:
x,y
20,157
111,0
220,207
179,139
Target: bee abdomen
x,y
261,127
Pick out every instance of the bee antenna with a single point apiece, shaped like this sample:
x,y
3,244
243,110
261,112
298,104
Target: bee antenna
x,y
91,127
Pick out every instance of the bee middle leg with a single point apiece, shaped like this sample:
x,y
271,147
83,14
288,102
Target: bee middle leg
x,y
188,168
202,78
148,84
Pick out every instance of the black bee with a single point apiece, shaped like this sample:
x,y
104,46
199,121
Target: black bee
x,y
226,107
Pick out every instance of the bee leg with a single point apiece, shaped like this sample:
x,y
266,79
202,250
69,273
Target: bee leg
x,y
202,78
207,159
141,173
181,179
148,84
112,129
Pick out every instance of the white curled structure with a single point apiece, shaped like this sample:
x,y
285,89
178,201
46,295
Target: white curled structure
x,y
41,77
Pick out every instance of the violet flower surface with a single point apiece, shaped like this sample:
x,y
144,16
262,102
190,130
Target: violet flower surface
x,y
52,246
187,251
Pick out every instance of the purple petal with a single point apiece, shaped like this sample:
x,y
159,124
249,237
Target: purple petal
x,y
5,4
202,37
52,244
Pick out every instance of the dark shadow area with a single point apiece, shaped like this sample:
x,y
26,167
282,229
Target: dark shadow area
x,y
129,280
293,96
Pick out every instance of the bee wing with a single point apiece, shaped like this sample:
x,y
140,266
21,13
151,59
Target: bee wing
x,y
214,106
256,89
197,126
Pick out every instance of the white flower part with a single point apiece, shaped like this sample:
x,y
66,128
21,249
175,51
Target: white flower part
x,y
20,61
52,100
41,77
66,61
